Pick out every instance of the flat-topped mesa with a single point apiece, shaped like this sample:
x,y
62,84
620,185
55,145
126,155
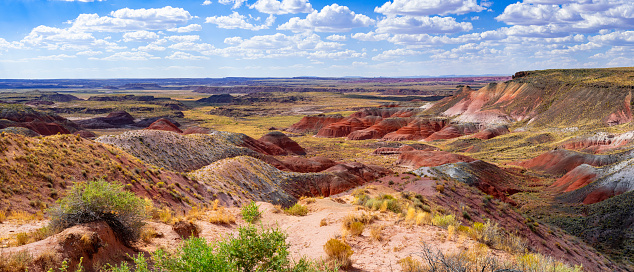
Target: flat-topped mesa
x,y
580,97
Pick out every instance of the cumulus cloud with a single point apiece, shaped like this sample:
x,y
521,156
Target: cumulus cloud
x,y
140,36
429,7
370,36
203,48
566,16
282,7
138,55
185,56
396,53
337,38
235,20
236,3
183,38
333,18
206,3
89,53
54,57
132,19
424,24
185,29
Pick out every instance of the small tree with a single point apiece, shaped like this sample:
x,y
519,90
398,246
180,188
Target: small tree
x,y
100,200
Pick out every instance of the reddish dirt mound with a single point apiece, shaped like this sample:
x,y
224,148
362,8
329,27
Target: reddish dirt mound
x,y
379,130
599,143
493,132
94,243
418,158
349,175
404,148
164,124
196,130
579,177
284,142
119,118
312,124
454,131
45,128
86,134
560,161
347,126
308,165
417,129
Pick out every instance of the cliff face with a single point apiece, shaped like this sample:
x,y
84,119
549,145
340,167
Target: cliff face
x,y
547,98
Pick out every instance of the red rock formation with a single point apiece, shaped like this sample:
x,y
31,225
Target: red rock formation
x,y
404,148
86,134
346,126
579,177
44,128
312,124
560,162
196,130
419,158
493,132
308,165
119,118
417,129
164,124
284,142
379,130
265,148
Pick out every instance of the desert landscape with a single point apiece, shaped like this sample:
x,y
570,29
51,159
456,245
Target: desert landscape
x,y
499,174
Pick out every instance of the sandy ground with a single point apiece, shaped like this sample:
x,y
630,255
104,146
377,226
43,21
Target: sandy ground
x,y
307,235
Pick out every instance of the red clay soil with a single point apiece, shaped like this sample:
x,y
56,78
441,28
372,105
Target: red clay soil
x,y
164,124
284,142
579,177
453,131
347,126
313,123
404,148
560,161
196,130
490,133
45,128
308,165
265,148
87,134
94,243
417,129
420,158
379,130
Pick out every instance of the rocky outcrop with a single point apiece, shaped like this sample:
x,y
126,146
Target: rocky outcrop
x,y
148,121
454,131
416,129
164,124
403,148
348,125
313,123
493,132
20,131
600,142
419,158
40,122
113,120
379,129
561,161
196,130
308,165
284,142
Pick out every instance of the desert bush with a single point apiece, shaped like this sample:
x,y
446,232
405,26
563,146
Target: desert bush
x,y
296,210
444,221
382,203
533,262
375,233
410,264
186,228
16,262
100,200
251,212
338,253
3,216
423,218
221,216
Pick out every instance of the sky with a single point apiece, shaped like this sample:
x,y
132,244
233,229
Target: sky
x,y
325,38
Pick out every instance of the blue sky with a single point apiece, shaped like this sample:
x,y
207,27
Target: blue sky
x,y
285,38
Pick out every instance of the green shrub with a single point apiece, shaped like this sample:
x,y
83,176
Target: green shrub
x,y
338,252
251,212
444,221
100,200
297,210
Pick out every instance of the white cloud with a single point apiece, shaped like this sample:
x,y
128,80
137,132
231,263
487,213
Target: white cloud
x,y
85,1
140,36
421,24
151,47
132,19
233,40
53,57
337,38
206,3
370,36
235,20
396,53
236,3
333,18
203,48
283,7
183,38
185,56
429,7
184,29
563,17
89,53
138,55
